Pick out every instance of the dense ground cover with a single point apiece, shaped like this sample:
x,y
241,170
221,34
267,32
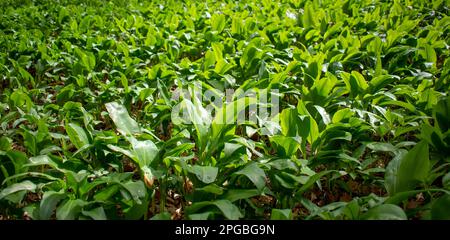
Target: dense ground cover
x,y
88,90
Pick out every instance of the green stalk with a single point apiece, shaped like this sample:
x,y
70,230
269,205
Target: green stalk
x,y
162,198
5,172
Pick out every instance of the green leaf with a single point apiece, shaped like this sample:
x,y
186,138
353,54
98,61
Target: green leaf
x,y
442,114
446,181
77,135
144,151
382,147
41,160
206,174
162,88
401,196
440,209
70,209
124,123
403,174
127,153
253,172
286,146
162,216
17,187
95,214
222,67
227,116
342,114
308,16
199,117
307,122
211,188
250,53
380,82
323,87
106,193
313,179
288,121
237,194
218,22
385,212
5,143
428,52
200,216
352,210
281,214
136,189
323,113
48,203
228,209
63,13
209,59
356,84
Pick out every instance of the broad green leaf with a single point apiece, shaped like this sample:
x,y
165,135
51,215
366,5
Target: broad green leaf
x,y
211,188
281,214
382,147
253,172
144,151
77,135
200,216
352,210
5,143
442,114
106,193
428,53
250,53
323,87
127,153
48,203
95,214
162,216
288,121
307,122
222,67
308,16
16,187
70,209
136,189
218,22
31,174
164,91
124,123
385,212
228,209
206,174
446,181
41,160
357,84
401,196
440,209
209,59
380,82
313,179
237,194
236,26
228,115
286,146
341,115
323,113
217,48
403,174
196,115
